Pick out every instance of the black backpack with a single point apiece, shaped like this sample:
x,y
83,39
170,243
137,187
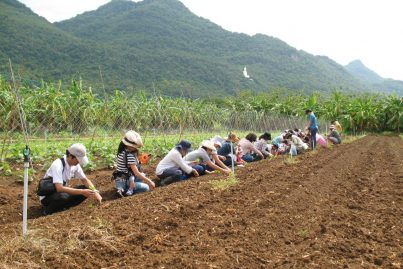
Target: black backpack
x,y
46,186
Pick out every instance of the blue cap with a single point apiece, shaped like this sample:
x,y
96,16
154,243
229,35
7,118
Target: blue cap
x,y
185,145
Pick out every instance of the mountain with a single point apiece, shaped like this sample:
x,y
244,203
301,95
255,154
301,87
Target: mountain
x,y
158,45
369,77
360,71
39,49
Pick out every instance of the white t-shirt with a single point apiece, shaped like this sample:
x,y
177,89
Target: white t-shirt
x,y
173,160
298,142
59,176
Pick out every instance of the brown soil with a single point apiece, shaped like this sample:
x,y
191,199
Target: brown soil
x,y
336,208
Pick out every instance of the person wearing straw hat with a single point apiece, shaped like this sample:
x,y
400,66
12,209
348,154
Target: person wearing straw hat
x,y
334,135
60,173
128,176
203,156
173,168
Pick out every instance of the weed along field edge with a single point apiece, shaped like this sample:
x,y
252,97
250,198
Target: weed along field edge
x,y
339,208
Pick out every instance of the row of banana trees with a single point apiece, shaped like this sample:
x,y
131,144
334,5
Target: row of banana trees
x,y
54,109
359,112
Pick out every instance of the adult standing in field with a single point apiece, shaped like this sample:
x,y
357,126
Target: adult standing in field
x,y
60,173
312,126
205,155
173,167
249,151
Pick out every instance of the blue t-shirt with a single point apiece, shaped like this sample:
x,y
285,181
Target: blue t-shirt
x,y
226,149
277,140
314,124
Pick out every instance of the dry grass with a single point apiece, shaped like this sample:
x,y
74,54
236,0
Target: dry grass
x,y
347,139
41,246
20,252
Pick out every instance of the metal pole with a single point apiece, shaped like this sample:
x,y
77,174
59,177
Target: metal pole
x,y
232,158
25,203
26,153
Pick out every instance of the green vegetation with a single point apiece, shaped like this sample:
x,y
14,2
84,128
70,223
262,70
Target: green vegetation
x,y
224,184
77,110
157,46
57,117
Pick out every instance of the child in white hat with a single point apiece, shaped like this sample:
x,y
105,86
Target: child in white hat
x,y
128,176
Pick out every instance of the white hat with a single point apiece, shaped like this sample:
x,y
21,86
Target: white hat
x,y
132,139
208,144
217,143
79,151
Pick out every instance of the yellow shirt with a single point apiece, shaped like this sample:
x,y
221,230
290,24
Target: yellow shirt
x,y
338,127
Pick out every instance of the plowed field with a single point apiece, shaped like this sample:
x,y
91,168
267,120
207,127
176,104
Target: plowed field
x,y
335,208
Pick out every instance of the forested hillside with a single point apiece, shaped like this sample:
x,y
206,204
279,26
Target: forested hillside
x,y
158,46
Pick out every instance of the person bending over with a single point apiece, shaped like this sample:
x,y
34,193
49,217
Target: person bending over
x,y
204,156
61,171
173,168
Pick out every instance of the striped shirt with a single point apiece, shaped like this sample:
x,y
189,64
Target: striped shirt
x,y
121,161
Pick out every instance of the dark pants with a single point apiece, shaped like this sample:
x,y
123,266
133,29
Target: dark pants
x,y
228,161
313,137
59,201
172,175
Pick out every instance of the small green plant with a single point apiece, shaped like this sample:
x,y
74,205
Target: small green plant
x,y
304,233
5,169
223,184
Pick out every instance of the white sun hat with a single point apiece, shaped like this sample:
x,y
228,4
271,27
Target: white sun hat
x,y
132,139
208,144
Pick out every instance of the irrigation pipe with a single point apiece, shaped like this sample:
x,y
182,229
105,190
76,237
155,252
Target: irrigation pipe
x,y
26,153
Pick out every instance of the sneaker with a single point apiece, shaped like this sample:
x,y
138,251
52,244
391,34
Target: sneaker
x,y
119,193
44,212
129,192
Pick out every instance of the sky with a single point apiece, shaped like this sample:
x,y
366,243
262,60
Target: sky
x,y
344,30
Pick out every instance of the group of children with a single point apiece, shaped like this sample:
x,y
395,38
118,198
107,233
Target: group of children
x,y
216,154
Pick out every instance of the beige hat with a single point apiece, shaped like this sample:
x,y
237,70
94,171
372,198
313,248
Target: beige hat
x,y
232,137
132,139
208,144
79,151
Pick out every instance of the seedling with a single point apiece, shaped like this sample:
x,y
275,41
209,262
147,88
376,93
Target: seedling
x,y
224,184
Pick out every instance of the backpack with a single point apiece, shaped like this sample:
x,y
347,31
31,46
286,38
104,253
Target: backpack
x,y
46,186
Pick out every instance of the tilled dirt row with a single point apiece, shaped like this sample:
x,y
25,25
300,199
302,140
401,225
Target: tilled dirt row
x,y
335,208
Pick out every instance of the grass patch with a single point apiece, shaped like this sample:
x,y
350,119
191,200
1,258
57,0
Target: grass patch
x,y
351,138
288,159
224,184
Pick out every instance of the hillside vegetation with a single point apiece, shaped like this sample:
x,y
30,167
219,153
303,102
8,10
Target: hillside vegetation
x,y
158,45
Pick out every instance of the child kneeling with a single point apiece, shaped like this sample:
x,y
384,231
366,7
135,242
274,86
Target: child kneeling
x,y
128,176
